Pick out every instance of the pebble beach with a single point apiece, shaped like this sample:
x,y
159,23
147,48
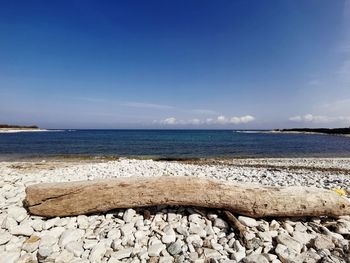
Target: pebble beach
x,y
168,233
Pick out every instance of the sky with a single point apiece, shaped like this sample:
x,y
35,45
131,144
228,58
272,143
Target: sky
x,y
175,64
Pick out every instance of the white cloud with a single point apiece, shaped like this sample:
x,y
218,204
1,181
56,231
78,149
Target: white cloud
x,y
146,105
220,120
169,121
309,118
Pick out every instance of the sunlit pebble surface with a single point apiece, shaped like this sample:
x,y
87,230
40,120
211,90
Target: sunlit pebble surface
x,y
171,234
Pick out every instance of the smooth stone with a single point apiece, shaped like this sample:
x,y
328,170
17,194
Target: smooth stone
x,y
70,235
323,242
55,231
31,244
48,240
90,243
123,253
22,230
37,225
75,247
5,237
255,258
129,215
220,223
116,244
211,253
127,229
114,233
51,223
9,223
17,213
97,252
169,235
83,221
195,240
285,254
64,257
288,227
303,237
9,256
27,258
166,259
265,236
175,248
238,256
155,249
44,252
248,221
182,230
215,245
289,242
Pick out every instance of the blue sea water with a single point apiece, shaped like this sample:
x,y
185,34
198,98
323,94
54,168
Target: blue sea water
x,y
171,143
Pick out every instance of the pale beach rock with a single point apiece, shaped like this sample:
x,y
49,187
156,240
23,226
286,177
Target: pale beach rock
x,y
248,221
64,257
166,259
9,223
48,240
123,253
219,223
97,252
17,213
83,221
255,258
4,237
155,249
289,242
75,247
10,256
303,237
70,235
194,240
31,244
285,254
55,231
27,258
44,252
127,229
50,223
211,253
37,225
114,233
274,225
323,242
175,248
116,244
22,230
129,215
169,235
182,230
288,227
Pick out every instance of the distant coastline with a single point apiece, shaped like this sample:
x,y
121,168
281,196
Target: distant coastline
x,y
6,128
324,131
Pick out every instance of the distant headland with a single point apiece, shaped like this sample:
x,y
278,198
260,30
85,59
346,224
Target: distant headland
x,y
329,131
7,128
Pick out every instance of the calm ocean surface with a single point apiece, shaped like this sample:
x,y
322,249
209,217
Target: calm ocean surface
x,y
171,143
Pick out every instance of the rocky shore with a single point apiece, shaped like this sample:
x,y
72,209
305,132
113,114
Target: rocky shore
x,y
172,234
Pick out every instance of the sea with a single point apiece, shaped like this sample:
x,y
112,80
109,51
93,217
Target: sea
x,y
170,144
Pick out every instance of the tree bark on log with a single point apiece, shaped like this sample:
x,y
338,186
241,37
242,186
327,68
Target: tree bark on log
x,y
86,197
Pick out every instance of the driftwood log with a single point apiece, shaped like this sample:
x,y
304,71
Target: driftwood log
x,y
85,197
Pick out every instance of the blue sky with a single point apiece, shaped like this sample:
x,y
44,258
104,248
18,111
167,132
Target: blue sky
x,y
175,64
